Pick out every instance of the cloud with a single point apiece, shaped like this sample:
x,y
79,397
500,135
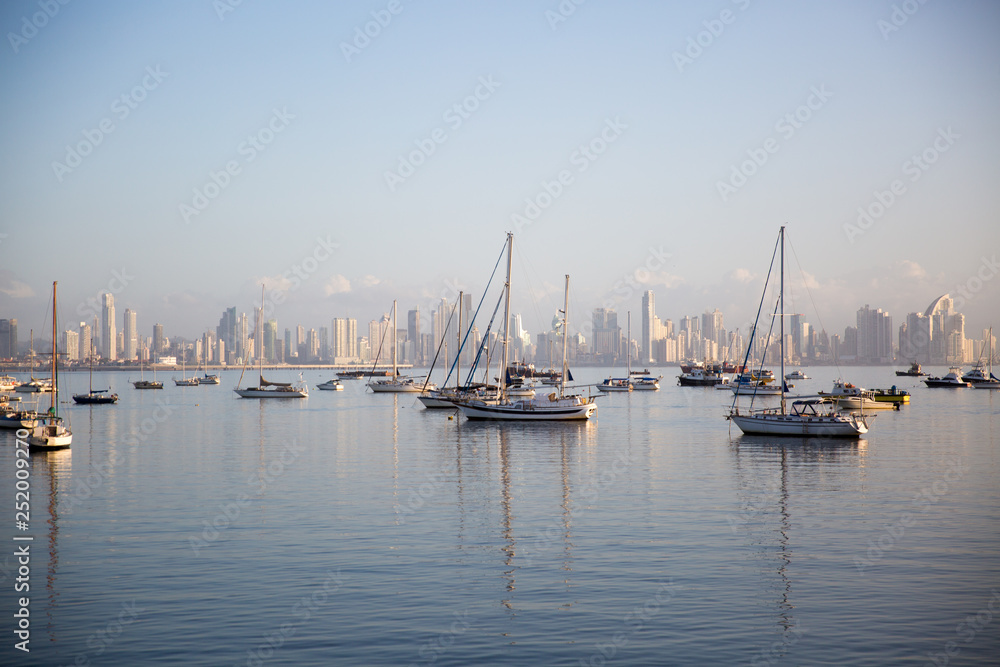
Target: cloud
x,y
740,276
272,283
910,269
337,284
13,287
370,281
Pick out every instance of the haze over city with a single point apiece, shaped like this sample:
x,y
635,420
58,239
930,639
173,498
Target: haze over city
x,y
180,154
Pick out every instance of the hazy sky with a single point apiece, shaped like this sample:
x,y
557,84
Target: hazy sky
x,y
179,153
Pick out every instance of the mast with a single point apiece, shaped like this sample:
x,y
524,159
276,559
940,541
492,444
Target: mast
x,y
260,357
562,380
458,348
54,397
781,298
628,347
506,317
395,373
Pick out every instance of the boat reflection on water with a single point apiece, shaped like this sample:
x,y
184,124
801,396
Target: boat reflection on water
x,y
772,478
50,473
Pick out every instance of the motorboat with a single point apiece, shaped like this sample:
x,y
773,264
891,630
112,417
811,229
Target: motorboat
x,y
914,371
615,384
707,376
849,396
951,380
331,385
796,375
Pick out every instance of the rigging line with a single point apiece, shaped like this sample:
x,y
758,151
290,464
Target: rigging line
x,y
525,265
444,337
753,331
836,360
484,343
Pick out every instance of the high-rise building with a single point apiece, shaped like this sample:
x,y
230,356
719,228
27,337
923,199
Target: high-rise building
x,y
241,338
85,341
130,338
345,338
324,343
648,313
606,335
270,337
8,339
712,327
874,336
413,334
109,334
71,345
159,346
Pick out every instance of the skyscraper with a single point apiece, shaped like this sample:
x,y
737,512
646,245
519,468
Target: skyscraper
x,y
158,342
413,333
8,339
345,338
270,336
109,334
874,336
71,345
648,313
131,340
85,340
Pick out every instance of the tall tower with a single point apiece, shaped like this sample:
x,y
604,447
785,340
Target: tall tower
x,y
109,334
131,347
648,313
158,347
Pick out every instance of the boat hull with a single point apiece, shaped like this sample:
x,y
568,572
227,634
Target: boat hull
x,y
527,411
792,425
13,421
270,393
50,436
89,399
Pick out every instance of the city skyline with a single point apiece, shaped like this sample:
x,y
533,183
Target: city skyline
x,y
157,152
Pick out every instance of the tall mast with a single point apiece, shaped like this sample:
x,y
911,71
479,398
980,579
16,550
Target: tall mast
x,y
562,381
458,347
260,357
55,379
394,372
781,298
506,317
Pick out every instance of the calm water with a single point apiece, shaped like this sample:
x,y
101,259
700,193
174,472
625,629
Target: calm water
x,y
187,526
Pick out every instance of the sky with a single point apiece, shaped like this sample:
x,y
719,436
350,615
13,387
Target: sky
x,y
180,154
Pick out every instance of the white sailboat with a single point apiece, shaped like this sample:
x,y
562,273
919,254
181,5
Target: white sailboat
x,y
264,388
553,407
50,432
398,383
185,381
625,383
806,417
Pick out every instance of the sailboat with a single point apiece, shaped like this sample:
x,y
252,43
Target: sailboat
x,y
33,385
625,383
50,432
142,382
95,397
553,407
264,388
989,381
186,381
807,417
397,383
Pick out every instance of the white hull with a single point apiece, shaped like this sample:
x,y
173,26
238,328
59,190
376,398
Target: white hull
x,y
986,385
764,390
50,436
213,379
389,387
613,388
564,409
856,403
7,421
271,393
330,386
794,425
